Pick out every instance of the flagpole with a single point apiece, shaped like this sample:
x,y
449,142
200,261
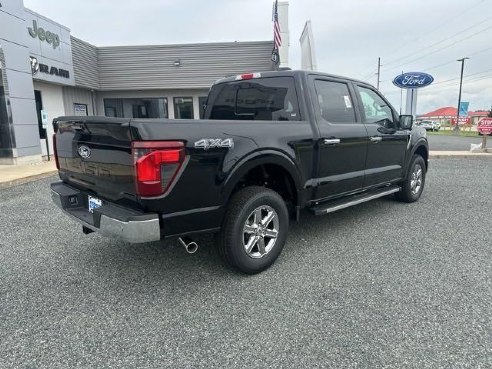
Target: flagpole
x,y
277,38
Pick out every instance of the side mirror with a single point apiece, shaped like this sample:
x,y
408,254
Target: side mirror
x,y
406,121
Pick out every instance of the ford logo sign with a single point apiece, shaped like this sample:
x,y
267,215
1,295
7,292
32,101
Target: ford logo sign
x,y
84,151
413,80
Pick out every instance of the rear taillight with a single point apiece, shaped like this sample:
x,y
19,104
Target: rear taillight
x,y
55,152
156,165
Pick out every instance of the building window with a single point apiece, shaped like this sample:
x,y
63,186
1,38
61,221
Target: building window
x,y
113,108
110,111
202,100
136,108
80,110
183,108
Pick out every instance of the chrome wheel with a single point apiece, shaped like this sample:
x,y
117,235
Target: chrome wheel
x,y
260,231
416,179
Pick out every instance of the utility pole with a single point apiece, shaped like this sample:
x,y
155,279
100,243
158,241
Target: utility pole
x,y
457,127
379,71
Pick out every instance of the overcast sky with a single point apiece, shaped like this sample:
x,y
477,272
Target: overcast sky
x,y
409,35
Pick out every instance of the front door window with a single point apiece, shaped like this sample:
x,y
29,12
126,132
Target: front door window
x,y
376,110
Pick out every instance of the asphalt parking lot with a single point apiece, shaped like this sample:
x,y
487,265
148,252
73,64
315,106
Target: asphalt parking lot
x,y
454,143
383,284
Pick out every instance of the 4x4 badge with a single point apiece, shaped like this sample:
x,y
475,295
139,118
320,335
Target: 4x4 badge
x,y
212,143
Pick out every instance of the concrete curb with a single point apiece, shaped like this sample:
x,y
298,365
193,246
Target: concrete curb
x,y
19,181
458,154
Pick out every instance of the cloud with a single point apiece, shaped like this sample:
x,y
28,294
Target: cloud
x,y
349,35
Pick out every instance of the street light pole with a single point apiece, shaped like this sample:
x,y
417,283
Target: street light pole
x,y
457,127
401,96
379,72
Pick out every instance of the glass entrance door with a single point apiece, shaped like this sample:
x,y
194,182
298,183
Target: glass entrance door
x,y
39,107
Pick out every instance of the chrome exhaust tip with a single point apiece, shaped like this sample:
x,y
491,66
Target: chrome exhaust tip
x,y
190,246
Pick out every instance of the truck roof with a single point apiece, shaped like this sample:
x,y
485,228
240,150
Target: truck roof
x,y
292,73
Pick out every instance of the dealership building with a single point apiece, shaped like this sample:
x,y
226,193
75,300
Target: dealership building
x,y
46,73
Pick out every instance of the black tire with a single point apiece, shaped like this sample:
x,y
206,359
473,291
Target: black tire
x,y
232,237
408,193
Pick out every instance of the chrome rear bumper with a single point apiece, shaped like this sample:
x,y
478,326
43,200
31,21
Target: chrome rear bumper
x,y
110,220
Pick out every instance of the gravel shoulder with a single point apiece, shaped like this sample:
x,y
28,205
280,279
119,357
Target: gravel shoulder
x,y
383,284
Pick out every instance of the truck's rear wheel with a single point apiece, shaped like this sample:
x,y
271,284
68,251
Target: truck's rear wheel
x,y
412,187
254,230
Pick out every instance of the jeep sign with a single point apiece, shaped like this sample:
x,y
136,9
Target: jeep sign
x,y
50,49
52,38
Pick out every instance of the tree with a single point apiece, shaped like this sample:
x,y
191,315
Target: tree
x,y
490,112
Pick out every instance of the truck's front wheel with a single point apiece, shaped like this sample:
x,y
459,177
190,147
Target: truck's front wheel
x,y
412,187
254,230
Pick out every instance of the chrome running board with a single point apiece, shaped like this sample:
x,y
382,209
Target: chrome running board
x,y
338,204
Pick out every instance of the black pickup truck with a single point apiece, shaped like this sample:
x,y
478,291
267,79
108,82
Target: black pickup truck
x,y
271,144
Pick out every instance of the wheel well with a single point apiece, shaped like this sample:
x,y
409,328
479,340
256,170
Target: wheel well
x,y
422,151
274,177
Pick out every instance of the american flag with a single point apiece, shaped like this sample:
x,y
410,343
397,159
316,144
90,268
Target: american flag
x,y
277,38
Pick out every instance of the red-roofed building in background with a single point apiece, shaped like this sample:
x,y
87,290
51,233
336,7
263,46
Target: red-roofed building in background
x,y
477,115
441,113
447,114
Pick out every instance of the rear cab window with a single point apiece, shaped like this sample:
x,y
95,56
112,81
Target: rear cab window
x,y
271,98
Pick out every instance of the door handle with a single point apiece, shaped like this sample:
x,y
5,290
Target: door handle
x,y
331,141
375,139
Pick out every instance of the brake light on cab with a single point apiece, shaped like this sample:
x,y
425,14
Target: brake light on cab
x,y
156,165
246,76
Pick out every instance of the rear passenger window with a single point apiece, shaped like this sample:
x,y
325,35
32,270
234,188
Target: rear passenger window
x,y
255,99
334,101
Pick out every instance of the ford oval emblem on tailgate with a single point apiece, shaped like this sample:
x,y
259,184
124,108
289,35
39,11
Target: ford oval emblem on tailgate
x,y
84,151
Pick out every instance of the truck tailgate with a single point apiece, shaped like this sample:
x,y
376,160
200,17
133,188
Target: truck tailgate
x,y
94,154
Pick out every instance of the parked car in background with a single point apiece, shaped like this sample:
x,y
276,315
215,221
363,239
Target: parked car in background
x,y
430,125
